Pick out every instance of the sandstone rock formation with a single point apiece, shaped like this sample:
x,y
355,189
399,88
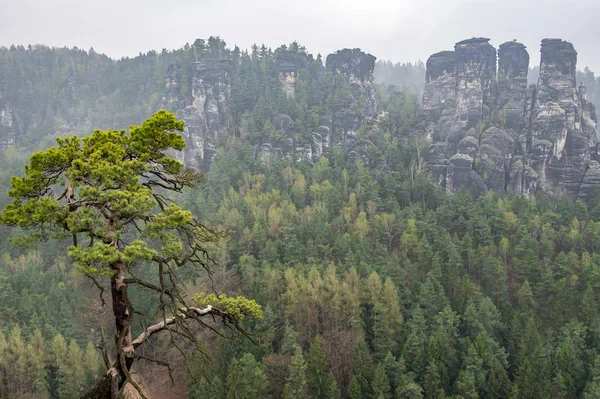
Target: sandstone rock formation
x,y
513,65
171,98
356,69
207,117
288,64
7,125
494,133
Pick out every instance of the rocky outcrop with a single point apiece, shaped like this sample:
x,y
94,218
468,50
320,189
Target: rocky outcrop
x,y
354,84
289,64
474,71
513,65
459,97
285,148
7,125
207,117
352,63
440,83
171,98
590,181
353,87
202,102
563,128
495,133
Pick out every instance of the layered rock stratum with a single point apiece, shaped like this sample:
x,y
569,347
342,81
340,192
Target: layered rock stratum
x,y
208,116
490,131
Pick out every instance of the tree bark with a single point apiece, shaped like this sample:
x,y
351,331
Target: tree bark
x,y
123,341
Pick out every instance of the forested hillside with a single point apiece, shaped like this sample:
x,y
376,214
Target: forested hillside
x,y
372,281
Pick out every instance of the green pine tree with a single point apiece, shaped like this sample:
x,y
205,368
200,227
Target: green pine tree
x,y
354,390
380,385
246,379
296,386
316,370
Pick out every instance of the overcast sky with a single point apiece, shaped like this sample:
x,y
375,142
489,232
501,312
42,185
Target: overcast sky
x,y
398,30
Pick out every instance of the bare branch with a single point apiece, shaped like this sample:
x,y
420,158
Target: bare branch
x,y
142,283
102,348
185,313
97,284
159,362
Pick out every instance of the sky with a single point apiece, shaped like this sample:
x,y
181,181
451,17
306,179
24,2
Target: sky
x,y
397,30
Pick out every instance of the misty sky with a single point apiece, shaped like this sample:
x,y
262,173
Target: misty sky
x,y
399,30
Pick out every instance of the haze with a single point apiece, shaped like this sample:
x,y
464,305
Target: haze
x,y
398,30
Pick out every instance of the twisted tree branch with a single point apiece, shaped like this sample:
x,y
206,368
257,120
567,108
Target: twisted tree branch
x,y
185,313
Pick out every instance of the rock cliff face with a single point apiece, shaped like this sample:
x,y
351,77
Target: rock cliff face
x,y
171,97
356,69
353,87
563,122
475,70
494,133
207,117
203,104
289,64
7,125
513,65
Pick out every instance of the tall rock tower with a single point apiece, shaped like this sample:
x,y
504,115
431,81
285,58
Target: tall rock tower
x,y
563,136
207,116
494,133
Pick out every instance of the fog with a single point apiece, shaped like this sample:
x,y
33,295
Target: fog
x,y
398,30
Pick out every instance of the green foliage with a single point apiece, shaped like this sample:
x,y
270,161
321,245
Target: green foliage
x,y
319,381
435,294
354,391
391,288
34,367
296,386
111,190
380,385
238,307
245,379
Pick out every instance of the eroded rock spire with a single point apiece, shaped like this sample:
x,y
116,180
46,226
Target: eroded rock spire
x,y
495,133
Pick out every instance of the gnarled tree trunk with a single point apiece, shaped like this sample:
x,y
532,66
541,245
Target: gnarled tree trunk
x,y
123,315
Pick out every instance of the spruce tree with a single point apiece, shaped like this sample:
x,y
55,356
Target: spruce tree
x,y
409,390
380,384
216,389
364,367
354,390
592,387
245,379
92,364
333,390
16,363
465,385
316,370
296,386
290,340
72,373
38,358
199,389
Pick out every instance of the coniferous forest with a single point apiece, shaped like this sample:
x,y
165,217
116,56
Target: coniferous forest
x,y
373,283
